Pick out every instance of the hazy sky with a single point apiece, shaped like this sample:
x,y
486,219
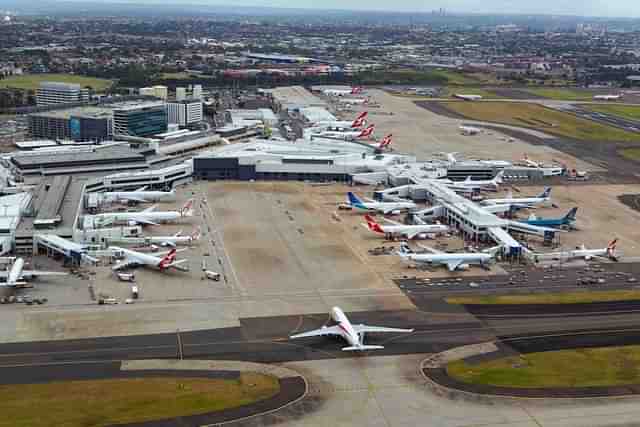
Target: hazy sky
x,y
606,8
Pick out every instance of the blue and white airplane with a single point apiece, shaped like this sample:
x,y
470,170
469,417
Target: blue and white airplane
x,y
568,221
384,207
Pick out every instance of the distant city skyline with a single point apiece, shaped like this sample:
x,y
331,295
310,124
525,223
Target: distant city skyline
x,y
587,8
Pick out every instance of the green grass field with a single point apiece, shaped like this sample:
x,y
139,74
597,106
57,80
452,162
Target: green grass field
x,y
118,401
595,367
630,153
175,76
540,118
32,81
562,94
550,298
627,111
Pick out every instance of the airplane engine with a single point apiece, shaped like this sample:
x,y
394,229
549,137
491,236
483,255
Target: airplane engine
x,y
463,267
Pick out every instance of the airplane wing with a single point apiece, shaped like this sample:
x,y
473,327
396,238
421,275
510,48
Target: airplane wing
x,y
134,199
390,221
387,211
453,264
165,253
150,208
178,265
27,274
412,234
381,329
418,220
143,221
129,263
144,187
329,330
430,249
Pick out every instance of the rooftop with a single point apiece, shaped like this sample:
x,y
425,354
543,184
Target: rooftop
x,y
87,111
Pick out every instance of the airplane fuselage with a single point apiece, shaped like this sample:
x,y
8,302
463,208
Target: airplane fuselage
x,y
464,258
148,196
348,333
406,230
133,216
383,206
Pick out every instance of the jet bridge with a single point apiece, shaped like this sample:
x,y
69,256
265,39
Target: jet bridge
x,y
513,248
71,251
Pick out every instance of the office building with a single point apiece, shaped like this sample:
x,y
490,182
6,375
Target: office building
x,y
184,113
140,119
51,93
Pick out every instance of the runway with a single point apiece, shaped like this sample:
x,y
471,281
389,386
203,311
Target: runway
x,y
266,339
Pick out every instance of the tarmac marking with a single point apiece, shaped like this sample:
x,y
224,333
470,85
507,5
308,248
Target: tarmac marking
x,y
286,341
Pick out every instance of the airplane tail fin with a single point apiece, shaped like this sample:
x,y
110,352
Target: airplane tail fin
x,y
168,259
187,209
386,141
368,131
362,348
571,215
196,234
611,248
404,249
546,192
498,178
353,199
373,225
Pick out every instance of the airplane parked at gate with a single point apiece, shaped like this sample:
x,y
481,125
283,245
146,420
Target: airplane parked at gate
x,y
523,202
17,276
357,123
395,229
469,184
353,334
162,261
349,135
567,221
453,261
383,207
146,217
385,142
354,101
139,196
166,241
